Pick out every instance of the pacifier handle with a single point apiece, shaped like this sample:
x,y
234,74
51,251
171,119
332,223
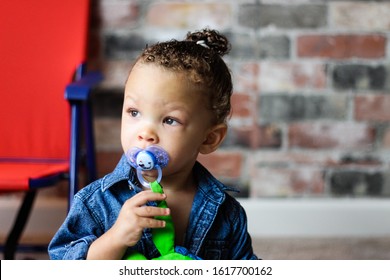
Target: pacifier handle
x,y
152,157
142,180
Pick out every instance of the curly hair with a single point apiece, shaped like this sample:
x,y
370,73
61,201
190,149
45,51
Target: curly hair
x,y
199,56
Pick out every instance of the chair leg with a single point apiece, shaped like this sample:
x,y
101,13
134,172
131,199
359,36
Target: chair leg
x,y
19,225
90,143
74,151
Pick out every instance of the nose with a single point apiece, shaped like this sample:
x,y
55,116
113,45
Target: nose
x,y
147,134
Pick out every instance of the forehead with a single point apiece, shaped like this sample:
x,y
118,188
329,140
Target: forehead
x,y
147,78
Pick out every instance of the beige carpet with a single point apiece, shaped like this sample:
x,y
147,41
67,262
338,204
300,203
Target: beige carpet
x,y
323,248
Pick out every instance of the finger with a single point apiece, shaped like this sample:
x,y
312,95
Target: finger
x,y
151,211
151,223
145,196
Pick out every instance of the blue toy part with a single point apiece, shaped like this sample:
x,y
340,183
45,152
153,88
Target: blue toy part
x,y
184,252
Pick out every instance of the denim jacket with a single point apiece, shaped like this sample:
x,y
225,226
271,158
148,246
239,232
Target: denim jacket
x,y
217,228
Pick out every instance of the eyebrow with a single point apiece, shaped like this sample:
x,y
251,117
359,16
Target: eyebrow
x,y
176,106
130,97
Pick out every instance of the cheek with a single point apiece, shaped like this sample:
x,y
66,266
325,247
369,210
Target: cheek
x,y
126,139
183,148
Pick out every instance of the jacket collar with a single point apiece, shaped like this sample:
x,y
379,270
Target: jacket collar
x,y
120,173
209,185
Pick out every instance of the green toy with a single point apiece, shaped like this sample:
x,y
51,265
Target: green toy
x,y
154,157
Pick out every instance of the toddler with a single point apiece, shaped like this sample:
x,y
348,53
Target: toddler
x,y
177,96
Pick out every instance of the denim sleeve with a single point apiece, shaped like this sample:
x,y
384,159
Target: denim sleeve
x,y
76,234
242,242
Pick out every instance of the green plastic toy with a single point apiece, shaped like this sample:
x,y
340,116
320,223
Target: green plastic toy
x,y
154,157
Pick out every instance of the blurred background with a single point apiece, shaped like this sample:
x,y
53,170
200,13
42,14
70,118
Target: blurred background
x,y
309,138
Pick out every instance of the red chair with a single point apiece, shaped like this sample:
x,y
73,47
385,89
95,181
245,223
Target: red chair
x,y
41,45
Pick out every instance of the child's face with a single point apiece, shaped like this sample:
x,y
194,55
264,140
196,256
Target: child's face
x,y
161,107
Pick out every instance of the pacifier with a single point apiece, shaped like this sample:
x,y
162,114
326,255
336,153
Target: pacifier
x,y
152,157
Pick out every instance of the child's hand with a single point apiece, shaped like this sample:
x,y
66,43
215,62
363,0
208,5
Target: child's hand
x,y
135,216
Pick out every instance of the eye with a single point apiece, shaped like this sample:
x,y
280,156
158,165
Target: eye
x,y
134,113
171,121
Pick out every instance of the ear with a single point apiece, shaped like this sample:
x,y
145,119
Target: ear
x,y
214,138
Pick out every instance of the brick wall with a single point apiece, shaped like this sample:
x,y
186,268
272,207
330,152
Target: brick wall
x,y
311,104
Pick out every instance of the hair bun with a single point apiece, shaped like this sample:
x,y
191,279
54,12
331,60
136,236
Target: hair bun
x,y
211,39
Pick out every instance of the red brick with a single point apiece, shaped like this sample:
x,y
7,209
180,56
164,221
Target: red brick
x,y
334,135
372,108
242,105
386,139
342,46
223,164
